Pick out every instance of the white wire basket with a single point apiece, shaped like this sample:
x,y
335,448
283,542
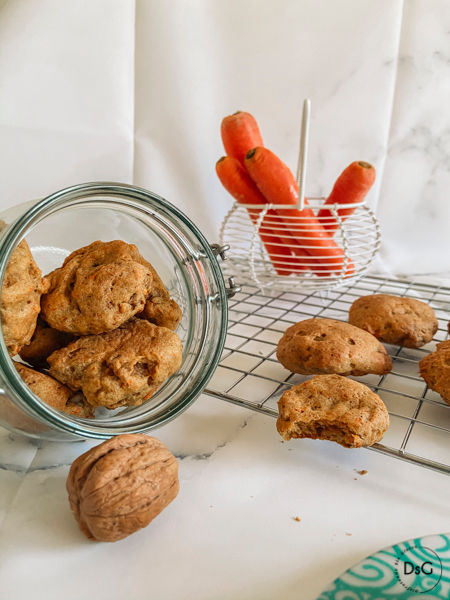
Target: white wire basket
x,y
276,247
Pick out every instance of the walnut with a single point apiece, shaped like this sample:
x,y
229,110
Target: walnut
x,y
121,485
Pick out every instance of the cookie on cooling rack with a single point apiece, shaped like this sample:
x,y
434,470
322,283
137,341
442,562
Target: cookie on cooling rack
x,y
435,370
317,346
331,407
394,320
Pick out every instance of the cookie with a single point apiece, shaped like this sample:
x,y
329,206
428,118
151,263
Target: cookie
x,y
403,321
45,340
21,295
45,387
55,394
78,407
331,407
98,288
435,370
123,367
443,345
160,308
328,346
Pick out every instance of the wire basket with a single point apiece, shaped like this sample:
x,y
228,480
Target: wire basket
x,y
278,253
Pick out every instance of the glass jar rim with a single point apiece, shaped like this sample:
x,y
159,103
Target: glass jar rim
x,y
84,193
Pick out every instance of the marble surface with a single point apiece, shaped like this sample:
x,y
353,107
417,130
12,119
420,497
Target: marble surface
x,y
231,532
134,91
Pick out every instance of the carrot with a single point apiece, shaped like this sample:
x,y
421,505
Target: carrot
x,y
237,182
351,186
277,184
240,133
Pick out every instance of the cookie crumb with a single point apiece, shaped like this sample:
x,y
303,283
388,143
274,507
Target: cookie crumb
x,y
347,533
297,519
355,478
362,472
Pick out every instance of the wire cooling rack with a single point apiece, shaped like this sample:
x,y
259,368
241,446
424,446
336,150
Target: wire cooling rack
x,y
250,375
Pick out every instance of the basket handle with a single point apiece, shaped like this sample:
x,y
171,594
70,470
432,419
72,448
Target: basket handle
x,y
303,153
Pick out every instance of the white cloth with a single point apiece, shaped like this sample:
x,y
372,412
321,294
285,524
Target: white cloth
x,y
135,92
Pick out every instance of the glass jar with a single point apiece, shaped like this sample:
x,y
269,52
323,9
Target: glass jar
x,y
187,264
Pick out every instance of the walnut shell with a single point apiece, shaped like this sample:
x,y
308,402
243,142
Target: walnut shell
x,y
121,485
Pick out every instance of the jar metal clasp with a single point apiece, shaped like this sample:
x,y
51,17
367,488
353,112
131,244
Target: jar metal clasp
x,y
232,288
221,250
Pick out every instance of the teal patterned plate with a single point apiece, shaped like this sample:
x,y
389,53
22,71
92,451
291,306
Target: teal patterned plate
x,y
418,569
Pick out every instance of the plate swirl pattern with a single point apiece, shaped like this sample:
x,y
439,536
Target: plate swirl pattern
x,y
417,569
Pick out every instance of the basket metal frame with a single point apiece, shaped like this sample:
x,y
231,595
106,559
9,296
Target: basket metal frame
x,y
276,310
359,237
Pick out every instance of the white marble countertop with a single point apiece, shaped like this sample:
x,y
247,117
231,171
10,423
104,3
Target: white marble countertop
x,y
231,532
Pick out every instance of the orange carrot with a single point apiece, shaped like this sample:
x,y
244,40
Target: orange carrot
x,y
240,133
351,186
237,182
277,184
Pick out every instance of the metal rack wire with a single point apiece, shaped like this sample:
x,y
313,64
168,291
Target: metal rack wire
x,y
249,374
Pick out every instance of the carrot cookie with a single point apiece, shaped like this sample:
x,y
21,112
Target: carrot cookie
x,y
98,288
160,308
123,367
394,320
21,295
435,370
331,407
329,346
45,340
53,393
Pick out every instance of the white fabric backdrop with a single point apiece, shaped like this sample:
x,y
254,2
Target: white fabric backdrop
x,y
135,91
